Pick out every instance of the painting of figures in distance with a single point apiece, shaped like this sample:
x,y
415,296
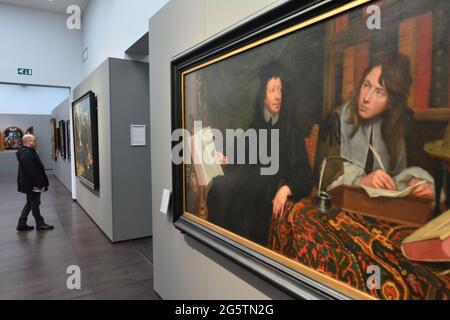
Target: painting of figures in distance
x,y
85,140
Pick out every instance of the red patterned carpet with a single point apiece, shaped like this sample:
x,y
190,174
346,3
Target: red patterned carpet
x,y
343,245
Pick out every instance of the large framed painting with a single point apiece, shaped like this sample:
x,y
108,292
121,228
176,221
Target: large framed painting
x,y
85,138
58,140
62,139
311,147
12,138
2,142
69,151
53,140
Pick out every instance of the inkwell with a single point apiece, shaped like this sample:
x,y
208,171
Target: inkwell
x,y
323,198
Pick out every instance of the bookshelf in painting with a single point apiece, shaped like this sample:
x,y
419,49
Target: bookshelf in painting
x,y
417,29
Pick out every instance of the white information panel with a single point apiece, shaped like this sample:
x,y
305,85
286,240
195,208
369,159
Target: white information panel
x,y
165,201
138,135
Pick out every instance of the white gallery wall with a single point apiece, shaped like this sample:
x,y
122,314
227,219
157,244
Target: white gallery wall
x,y
29,106
41,124
110,27
183,267
41,41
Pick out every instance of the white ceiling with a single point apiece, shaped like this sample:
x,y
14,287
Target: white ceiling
x,y
59,6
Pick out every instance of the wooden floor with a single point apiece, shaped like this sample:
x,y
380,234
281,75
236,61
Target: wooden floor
x,y
33,265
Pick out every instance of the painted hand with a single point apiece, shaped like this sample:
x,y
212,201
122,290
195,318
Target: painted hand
x,y
223,160
380,180
423,191
280,200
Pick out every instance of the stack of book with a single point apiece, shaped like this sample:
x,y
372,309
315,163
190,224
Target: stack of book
x,y
423,39
430,243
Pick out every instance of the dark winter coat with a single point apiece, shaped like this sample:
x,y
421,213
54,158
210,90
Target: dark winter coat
x,y
31,171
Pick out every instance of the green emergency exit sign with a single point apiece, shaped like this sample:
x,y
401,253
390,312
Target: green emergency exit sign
x,y
24,72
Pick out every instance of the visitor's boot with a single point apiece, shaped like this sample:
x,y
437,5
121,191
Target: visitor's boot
x,y
44,227
23,228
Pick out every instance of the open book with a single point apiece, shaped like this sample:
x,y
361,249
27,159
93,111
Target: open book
x,y
376,193
431,242
203,152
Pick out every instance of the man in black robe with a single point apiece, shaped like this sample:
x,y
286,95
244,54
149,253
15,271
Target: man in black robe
x,y
243,200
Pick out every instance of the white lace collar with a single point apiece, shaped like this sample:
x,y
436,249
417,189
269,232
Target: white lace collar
x,y
268,116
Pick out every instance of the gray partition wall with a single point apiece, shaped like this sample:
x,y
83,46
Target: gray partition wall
x,y
184,268
41,124
63,166
122,205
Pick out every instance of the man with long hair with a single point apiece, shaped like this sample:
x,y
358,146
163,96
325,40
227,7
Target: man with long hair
x,y
368,133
